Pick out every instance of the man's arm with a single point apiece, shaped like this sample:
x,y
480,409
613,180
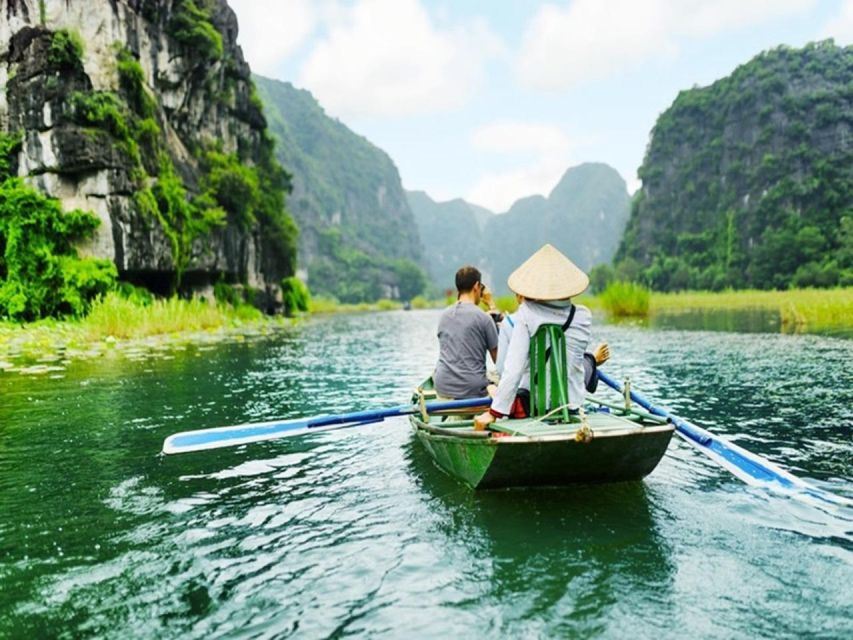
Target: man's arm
x,y
494,354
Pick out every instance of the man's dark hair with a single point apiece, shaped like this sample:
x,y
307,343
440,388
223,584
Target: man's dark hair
x,y
466,278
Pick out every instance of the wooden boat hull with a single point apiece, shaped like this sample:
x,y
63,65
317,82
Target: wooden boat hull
x,y
528,453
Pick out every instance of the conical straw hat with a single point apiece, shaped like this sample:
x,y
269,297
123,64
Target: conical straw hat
x,y
548,275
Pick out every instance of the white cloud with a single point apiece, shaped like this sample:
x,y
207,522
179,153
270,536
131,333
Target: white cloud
x,y
270,32
841,26
499,190
513,137
546,145
567,44
387,57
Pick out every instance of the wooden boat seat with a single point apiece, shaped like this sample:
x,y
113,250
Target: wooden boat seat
x,y
600,423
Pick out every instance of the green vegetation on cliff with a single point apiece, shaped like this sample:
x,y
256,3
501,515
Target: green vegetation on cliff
x,y
358,239
191,26
40,271
190,193
749,182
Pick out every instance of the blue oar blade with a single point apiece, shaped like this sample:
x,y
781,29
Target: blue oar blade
x,y
743,464
233,436
240,434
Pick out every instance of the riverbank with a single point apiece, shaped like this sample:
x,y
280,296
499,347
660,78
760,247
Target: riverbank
x,y
140,330
800,310
116,324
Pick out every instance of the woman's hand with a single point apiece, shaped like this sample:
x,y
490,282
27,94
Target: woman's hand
x,y
601,353
489,300
483,420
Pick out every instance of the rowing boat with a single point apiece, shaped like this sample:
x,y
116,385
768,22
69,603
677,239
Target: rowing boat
x,y
606,443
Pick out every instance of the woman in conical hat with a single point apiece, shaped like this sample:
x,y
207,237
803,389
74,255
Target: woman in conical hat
x,y
547,281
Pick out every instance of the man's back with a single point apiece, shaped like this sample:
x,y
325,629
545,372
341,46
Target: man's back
x,y
465,335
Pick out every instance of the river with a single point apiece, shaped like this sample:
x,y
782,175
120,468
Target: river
x,y
357,533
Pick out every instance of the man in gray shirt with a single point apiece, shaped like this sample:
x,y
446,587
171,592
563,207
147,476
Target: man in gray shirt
x,y
465,334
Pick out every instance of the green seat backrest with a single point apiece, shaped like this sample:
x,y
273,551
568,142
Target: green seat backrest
x,y
549,373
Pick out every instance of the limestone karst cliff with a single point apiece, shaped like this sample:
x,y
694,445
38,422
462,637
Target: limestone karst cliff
x,y
748,182
144,113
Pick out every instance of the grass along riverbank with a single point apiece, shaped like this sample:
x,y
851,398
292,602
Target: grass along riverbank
x,y
800,310
118,324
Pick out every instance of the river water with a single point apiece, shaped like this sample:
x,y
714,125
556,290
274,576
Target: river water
x,y
357,533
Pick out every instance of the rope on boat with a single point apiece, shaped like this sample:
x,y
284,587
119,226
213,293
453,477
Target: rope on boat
x,y
583,434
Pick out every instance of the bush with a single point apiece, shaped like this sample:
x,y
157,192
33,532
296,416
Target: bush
x,y
191,27
40,273
295,294
385,304
600,276
66,50
105,110
420,302
623,299
228,294
9,148
137,295
132,80
234,186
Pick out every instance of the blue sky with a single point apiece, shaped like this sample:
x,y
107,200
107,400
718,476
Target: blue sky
x,y
493,100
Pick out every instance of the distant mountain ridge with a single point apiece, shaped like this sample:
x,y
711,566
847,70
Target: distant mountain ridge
x,y
452,233
583,216
358,238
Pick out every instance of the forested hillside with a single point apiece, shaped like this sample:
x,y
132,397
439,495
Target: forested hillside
x,y
358,238
583,216
749,182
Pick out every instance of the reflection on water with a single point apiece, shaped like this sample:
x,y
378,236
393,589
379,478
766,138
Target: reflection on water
x,y
741,320
572,552
359,533
733,320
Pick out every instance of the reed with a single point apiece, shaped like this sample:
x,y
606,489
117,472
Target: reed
x,y
507,304
121,318
625,299
116,321
801,310
323,304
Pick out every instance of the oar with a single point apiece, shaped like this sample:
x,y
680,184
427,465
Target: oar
x,y
233,436
749,467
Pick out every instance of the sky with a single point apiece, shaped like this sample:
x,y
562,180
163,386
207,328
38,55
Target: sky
x,y
493,100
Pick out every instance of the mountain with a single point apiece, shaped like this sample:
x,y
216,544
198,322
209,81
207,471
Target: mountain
x,y
583,216
451,232
748,182
358,237
144,115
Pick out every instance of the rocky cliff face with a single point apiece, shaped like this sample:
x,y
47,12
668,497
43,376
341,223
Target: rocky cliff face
x,y
748,182
143,113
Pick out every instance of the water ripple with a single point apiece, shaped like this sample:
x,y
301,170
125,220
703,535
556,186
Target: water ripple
x,y
358,533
